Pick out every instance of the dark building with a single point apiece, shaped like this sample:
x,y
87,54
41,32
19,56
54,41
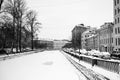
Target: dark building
x,y
76,35
48,44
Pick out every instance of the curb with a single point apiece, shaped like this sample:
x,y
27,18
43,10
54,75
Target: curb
x,y
11,56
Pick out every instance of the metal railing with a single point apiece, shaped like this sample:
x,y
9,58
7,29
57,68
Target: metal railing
x,y
103,63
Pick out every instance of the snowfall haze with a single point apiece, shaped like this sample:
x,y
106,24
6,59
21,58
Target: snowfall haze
x,y
58,17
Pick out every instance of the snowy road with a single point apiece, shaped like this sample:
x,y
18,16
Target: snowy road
x,y
91,75
47,65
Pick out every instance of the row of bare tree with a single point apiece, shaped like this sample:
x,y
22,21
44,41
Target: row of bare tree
x,y
18,25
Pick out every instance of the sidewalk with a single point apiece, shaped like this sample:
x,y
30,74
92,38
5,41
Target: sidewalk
x,y
10,56
99,70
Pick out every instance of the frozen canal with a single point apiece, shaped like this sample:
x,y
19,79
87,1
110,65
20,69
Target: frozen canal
x,y
47,65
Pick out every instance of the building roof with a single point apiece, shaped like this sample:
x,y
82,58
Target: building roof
x,y
79,26
90,31
105,26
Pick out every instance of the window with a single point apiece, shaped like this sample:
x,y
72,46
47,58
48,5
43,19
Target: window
x,y
116,41
111,30
118,19
112,40
115,12
118,29
118,9
115,21
115,2
115,30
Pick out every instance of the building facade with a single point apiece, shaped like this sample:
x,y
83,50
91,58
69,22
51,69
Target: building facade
x,y
58,44
90,39
84,39
92,43
76,35
48,44
106,37
116,31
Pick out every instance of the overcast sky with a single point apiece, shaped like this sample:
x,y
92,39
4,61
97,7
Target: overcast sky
x,y
58,17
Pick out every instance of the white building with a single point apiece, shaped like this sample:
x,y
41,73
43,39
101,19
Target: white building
x,y
116,31
58,44
88,38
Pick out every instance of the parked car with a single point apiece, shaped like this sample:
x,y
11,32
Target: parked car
x,y
2,52
115,54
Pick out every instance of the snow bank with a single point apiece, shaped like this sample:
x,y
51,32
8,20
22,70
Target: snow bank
x,y
83,51
95,53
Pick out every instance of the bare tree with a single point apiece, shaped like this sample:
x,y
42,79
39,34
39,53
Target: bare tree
x,y
33,23
6,30
20,20
1,1
17,9
21,8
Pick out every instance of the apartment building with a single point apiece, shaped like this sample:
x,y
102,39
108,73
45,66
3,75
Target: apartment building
x,y
90,39
105,34
76,35
116,31
84,38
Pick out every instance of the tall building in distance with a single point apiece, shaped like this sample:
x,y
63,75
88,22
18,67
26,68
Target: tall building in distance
x,y
58,44
116,31
106,37
76,35
90,39
99,39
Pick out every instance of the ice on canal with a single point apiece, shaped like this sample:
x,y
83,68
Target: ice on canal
x,y
47,65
